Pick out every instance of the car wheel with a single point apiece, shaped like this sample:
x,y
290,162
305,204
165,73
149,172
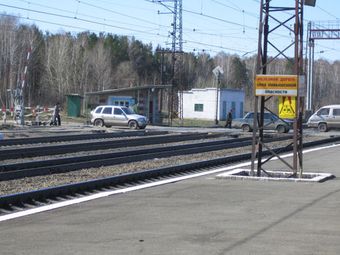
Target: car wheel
x,y
246,128
323,127
98,123
281,129
133,124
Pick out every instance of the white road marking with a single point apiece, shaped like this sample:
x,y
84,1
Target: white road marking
x,y
137,187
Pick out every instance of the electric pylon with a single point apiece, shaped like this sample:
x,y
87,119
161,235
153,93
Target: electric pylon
x,y
176,94
270,22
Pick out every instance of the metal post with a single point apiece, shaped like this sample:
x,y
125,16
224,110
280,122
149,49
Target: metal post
x,y
259,66
217,92
312,78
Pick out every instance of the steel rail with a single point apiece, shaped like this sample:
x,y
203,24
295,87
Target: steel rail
x,y
75,137
54,149
46,167
19,199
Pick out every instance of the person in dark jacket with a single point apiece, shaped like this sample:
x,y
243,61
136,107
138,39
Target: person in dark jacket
x,y
56,120
229,119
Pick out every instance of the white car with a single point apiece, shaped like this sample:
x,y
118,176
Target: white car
x,y
111,115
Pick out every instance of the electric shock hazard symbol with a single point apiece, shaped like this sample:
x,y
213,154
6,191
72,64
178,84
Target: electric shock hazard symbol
x,y
287,107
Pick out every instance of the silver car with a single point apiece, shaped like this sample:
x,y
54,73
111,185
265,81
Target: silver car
x,y
325,118
111,115
271,122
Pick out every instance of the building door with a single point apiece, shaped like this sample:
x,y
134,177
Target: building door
x,y
224,110
233,107
241,110
151,111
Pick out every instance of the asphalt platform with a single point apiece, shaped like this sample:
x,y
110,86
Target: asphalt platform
x,y
197,216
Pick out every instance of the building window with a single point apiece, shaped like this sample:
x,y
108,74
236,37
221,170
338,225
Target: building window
x,y
198,107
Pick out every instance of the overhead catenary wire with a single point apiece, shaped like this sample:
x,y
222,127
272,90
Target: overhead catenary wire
x,y
83,28
75,18
77,13
103,23
98,23
149,29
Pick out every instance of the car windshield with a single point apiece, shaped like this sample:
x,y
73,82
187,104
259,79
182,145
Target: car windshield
x,y
127,111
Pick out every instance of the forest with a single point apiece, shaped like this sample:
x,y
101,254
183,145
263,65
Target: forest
x,y
65,63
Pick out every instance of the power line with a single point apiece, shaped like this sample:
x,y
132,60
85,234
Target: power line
x,y
86,29
330,14
115,12
123,5
238,9
219,47
85,15
49,22
196,31
148,30
210,17
79,19
219,19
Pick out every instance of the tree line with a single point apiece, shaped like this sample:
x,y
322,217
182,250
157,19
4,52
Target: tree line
x,y
65,63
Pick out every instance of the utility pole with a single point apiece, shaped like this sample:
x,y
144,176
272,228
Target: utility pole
x,y
19,92
317,30
218,72
176,94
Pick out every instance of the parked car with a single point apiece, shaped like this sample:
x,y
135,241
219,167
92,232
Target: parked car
x,y
271,122
325,118
111,115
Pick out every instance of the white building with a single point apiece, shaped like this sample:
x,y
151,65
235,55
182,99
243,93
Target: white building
x,y
202,103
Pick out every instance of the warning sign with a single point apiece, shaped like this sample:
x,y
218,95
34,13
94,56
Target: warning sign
x,y
276,85
287,107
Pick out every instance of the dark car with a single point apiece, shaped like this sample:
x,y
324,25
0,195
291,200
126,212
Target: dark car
x,y
271,122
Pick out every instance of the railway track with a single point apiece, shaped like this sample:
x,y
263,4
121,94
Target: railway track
x,y
13,152
77,137
21,201
51,166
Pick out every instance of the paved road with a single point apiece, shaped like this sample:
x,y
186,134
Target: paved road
x,y
197,216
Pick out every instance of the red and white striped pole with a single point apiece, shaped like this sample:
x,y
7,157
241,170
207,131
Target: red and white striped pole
x,y
23,83
23,79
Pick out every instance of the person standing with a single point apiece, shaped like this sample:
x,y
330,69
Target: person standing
x,y
229,119
56,120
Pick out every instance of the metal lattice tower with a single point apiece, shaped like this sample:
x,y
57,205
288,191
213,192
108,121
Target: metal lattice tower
x,y
176,107
318,30
270,22
176,95
177,32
